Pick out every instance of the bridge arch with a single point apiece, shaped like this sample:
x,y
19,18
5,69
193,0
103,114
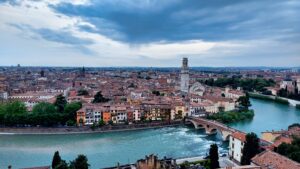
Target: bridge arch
x,y
195,124
211,127
211,130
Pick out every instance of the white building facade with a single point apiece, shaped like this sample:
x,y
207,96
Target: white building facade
x,y
236,145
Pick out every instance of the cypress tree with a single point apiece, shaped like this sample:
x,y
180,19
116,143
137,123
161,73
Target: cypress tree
x,y
56,159
251,148
60,103
214,156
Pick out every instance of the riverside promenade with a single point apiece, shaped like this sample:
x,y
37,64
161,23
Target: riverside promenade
x,y
85,129
271,97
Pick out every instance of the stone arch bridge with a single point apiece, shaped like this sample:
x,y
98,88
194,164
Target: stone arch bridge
x,y
211,126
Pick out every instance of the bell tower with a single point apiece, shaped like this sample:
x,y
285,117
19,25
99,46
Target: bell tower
x,y
184,76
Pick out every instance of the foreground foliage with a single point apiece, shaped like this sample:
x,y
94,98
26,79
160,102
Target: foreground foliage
x,y
251,148
291,151
214,156
81,162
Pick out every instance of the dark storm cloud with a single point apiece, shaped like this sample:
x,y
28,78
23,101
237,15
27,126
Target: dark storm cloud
x,y
141,21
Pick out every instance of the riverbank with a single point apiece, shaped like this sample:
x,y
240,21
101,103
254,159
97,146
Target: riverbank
x,y
277,99
84,129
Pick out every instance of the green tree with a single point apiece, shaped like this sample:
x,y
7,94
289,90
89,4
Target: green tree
x,y
13,113
71,109
110,122
62,165
101,123
157,93
98,98
60,103
70,123
295,156
291,151
93,126
56,159
81,162
283,149
251,148
42,73
15,108
82,92
244,101
81,121
2,113
43,108
214,156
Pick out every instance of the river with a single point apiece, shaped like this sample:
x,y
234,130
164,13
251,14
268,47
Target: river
x,y
106,149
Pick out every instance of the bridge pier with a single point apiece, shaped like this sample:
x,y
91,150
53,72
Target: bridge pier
x,y
196,125
225,135
210,130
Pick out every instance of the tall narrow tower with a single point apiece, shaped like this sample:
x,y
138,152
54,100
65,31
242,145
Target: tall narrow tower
x,y
184,76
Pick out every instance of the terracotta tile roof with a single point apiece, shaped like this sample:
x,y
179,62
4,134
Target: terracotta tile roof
x,y
239,135
282,139
271,160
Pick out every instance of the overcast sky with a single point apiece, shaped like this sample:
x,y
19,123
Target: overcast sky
x,y
150,32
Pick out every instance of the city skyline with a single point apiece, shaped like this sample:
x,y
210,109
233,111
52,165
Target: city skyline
x,y
150,33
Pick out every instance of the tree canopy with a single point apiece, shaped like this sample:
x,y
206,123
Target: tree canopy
x,y
82,92
15,108
60,103
62,165
258,84
244,101
45,114
98,98
71,109
214,156
81,162
251,148
291,151
43,108
232,116
56,159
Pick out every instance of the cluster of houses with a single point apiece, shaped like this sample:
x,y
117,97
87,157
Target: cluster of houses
x,y
159,108
291,85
